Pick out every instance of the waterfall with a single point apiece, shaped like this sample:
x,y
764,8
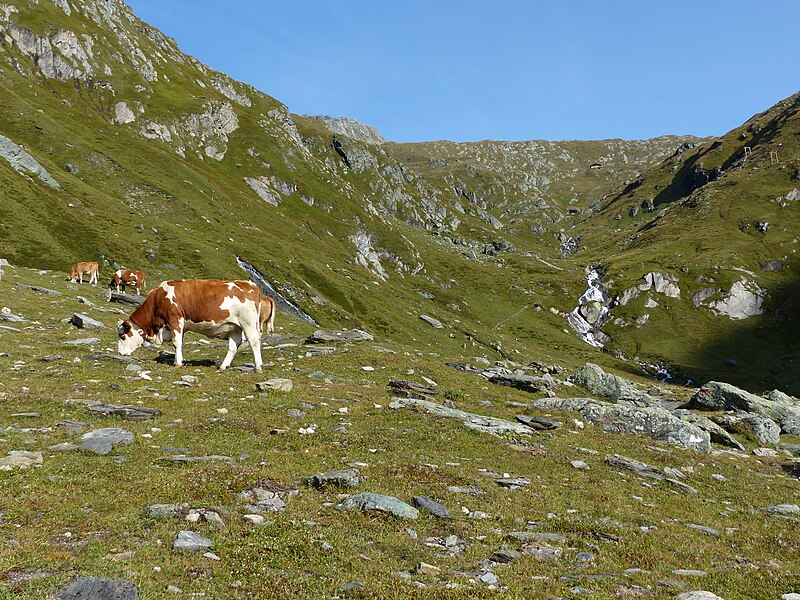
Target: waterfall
x,y
266,286
589,331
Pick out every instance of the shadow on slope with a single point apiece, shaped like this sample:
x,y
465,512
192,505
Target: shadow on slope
x,y
759,353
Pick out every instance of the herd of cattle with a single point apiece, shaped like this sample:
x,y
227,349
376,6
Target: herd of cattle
x,y
228,310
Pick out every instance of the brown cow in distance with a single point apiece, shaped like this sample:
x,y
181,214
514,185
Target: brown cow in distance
x,y
128,277
80,269
226,310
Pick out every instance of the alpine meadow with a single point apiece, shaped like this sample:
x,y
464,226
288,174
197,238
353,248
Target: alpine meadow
x,y
541,369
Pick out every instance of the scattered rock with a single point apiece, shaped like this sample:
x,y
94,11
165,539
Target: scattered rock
x,y
95,588
431,506
191,542
491,425
717,395
83,342
322,336
435,323
369,502
338,478
638,467
763,429
658,423
411,389
277,384
133,413
597,381
540,423
267,496
82,321
698,595
21,459
783,509
101,441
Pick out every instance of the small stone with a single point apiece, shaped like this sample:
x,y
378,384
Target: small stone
x,y
765,452
424,568
783,509
172,589
699,595
435,323
254,519
579,464
101,441
431,506
340,477
191,541
505,556
370,502
211,556
719,477
276,385
689,573
82,321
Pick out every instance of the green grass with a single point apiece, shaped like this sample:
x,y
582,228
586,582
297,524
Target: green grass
x,y
99,502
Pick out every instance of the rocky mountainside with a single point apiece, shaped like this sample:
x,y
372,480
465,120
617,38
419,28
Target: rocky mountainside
x,y
121,148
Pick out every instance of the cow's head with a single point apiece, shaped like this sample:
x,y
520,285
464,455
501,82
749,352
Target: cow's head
x,y
130,338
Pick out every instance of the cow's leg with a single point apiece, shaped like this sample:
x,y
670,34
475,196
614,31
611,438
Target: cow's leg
x,y
234,341
254,339
177,341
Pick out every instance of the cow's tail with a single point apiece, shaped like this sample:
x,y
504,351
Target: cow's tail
x,y
268,314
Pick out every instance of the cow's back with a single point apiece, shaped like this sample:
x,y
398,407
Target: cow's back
x,y
203,300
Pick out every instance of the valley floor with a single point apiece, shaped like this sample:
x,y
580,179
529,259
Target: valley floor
x,y
538,515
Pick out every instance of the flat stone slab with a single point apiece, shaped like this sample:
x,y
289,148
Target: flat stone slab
x,y
783,509
21,459
435,323
82,321
95,588
369,502
482,423
38,288
190,541
133,413
323,336
11,318
338,478
83,342
131,299
278,384
102,441
431,506
412,389
182,459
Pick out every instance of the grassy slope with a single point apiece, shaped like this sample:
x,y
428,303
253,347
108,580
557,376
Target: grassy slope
x,y
706,236
407,453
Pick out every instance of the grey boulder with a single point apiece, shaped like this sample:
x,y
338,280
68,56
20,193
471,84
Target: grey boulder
x,y
101,441
597,381
782,409
369,502
95,588
658,423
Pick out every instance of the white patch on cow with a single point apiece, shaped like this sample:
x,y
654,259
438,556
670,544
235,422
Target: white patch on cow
x,y
232,284
170,290
128,343
212,329
118,273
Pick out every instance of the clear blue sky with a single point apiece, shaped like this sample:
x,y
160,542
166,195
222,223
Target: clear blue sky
x,y
468,70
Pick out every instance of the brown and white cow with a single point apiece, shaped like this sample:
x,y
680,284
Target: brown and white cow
x,y
217,309
80,269
127,277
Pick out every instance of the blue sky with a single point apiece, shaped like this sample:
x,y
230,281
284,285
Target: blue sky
x,y
467,70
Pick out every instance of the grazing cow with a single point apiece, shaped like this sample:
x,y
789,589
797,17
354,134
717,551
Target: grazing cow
x,y
80,269
218,309
127,277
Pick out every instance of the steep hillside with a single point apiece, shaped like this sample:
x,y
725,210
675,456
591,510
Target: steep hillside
x,y
150,160
721,220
